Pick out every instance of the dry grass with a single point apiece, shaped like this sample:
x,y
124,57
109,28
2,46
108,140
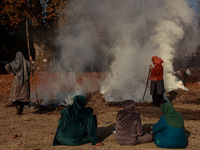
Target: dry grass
x,y
37,129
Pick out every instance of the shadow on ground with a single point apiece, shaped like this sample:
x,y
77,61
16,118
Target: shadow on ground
x,y
196,101
44,110
149,112
189,114
105,132
147,128
187,134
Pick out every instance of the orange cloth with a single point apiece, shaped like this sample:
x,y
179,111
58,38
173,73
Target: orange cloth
x,y
157,70
154,58
157,60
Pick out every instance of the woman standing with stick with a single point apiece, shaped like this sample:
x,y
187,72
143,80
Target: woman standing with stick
x,y
20,90
157,83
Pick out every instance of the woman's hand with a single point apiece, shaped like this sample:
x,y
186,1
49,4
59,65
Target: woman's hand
x,y
153,78
30,58
99,144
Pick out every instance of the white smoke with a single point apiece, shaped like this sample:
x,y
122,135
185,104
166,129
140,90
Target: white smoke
x,y
168,34
56,88
161,27
134,32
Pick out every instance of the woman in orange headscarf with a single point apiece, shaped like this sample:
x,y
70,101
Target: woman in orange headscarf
x,y
157,83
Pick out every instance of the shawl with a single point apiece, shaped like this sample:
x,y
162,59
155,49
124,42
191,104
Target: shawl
x,y
75,110
123,116
172,117
128,105
20,67
157,60
154,58
76,125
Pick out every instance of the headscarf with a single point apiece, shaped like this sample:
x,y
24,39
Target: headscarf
x,y
20,67
128,105
123,116
127,116
154,58
157,60
75,111
172,117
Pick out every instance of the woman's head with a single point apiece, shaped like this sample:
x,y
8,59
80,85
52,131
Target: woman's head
x,y
79,101
127,104
167,108
172,117
76,110
156,60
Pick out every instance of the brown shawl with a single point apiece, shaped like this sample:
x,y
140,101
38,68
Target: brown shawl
x,y
128,124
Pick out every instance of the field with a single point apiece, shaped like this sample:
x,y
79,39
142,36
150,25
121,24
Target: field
x,y
35,129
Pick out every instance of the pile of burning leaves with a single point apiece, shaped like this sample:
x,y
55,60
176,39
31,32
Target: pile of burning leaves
x,y
96,99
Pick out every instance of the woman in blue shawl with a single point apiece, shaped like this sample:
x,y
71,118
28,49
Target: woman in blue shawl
x,y
76,125
169,131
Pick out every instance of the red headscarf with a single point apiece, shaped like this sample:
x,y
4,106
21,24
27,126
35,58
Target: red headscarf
x,y
157,60
154,58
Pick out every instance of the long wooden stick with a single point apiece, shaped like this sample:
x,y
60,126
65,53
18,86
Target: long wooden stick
x,y
146,85
29,52
27,36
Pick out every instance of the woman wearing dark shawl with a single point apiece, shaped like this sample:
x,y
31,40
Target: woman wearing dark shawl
x,y
169,131
20,90
76,125
129,127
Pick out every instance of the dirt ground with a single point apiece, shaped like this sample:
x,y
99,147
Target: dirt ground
x,y
35,129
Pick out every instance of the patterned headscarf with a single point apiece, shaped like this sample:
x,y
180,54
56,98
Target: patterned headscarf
x,y
20,67
157,60
154,58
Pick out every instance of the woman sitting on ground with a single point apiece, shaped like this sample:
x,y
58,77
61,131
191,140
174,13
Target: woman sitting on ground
x,y
76,125
169,131
129,127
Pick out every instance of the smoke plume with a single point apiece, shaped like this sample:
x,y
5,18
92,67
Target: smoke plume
x,y
122,36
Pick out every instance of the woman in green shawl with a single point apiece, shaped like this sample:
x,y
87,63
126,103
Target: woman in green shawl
x,y
76,125
169,131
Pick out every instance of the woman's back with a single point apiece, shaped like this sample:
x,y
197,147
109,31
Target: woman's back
x,y
76,126
169,131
